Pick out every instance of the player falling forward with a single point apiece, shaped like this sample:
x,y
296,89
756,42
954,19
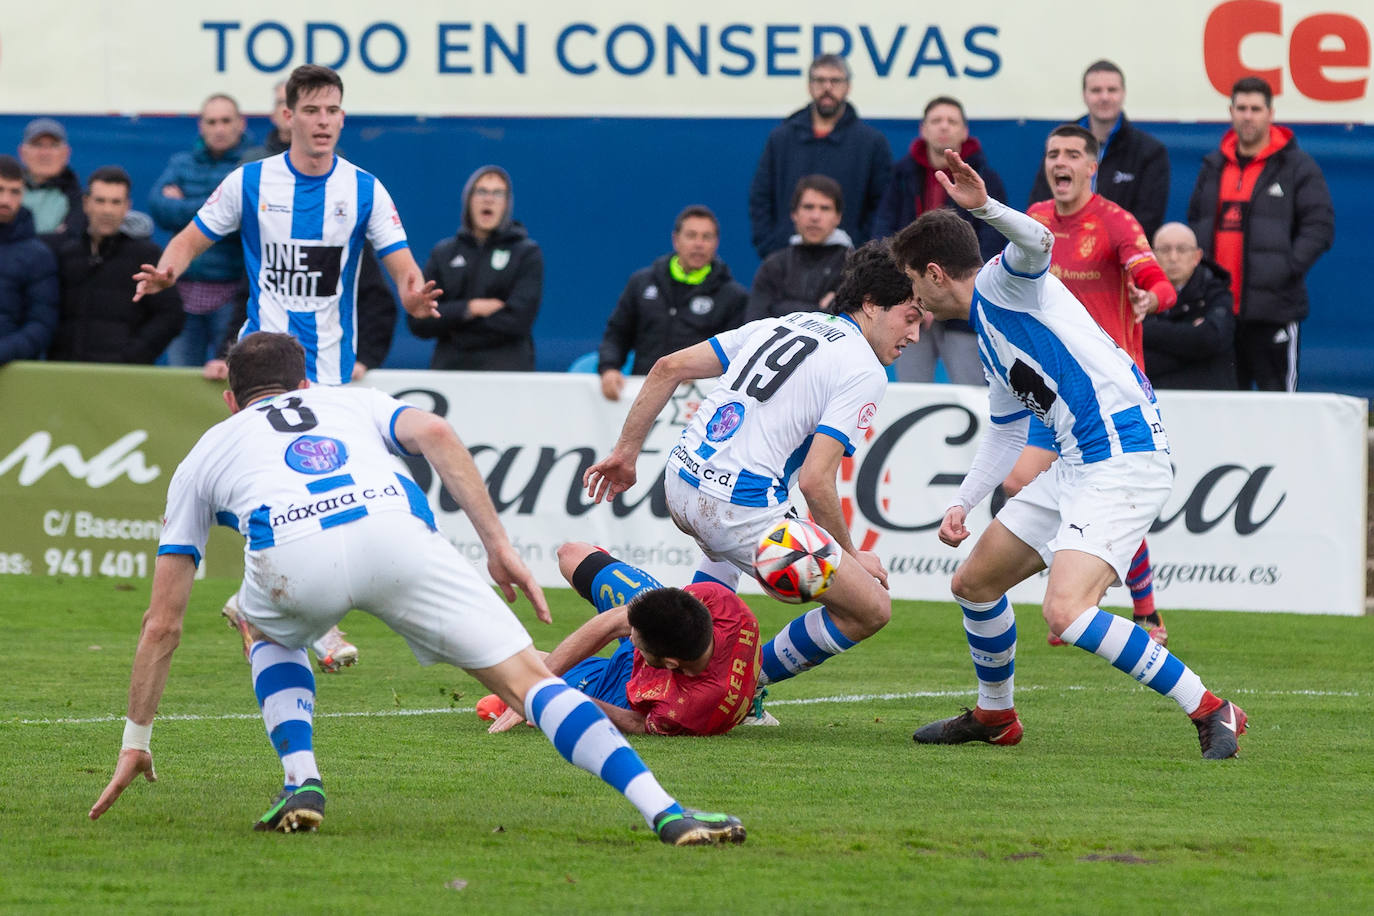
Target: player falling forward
x,y
687,660
332,522
794,395
303,217
1045,356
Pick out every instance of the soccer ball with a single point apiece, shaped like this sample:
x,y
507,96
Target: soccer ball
x,y
796,561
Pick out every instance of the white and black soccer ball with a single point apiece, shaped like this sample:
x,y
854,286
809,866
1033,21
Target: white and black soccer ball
x,y
796,561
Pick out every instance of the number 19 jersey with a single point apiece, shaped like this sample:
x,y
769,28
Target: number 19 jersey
x,y
786,380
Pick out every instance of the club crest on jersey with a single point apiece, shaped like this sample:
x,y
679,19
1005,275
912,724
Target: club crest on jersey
x,y
340,212
725,421
866,414
701,305
500,258
316,455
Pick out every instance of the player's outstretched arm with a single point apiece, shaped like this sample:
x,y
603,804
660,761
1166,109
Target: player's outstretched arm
x,y
185,247
963,185
418,297
173,575
430,435
616,473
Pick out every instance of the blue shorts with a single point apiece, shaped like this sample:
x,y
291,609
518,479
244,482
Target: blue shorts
x,y
608,583
1041,436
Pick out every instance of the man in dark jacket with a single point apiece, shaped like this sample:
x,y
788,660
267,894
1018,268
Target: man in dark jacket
x,y
679,300
1132,166
492,275
1261,209
100,322
803,276
28,274
1191,345
913,191
827,138
52,192
209,286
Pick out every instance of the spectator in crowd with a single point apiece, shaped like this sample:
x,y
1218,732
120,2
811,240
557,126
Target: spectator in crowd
x,y
1192,345
1132,166
212,282
803,276
492,275
279,139
828,138
1261,209
914,190
681,299
99,321
52,192
28,274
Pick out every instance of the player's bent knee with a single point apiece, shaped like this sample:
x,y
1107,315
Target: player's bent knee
x,y
571,555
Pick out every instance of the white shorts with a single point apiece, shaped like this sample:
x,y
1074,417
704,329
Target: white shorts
x,y
1104,508
724,531
391,565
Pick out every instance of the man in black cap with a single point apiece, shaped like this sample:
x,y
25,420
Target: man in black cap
x,y
52,191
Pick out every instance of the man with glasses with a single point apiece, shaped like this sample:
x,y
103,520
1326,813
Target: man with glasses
x,y
826,137
1192,345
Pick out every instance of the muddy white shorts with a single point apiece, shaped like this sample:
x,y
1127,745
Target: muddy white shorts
x,y
724,531
391,565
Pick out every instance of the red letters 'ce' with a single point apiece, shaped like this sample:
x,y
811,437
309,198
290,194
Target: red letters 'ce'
x,y
1230,23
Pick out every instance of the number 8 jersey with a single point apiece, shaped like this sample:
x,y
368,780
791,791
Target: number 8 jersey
x,y
786,380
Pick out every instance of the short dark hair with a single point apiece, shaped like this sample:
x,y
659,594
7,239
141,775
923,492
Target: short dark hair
x,y
946,100
1079,131
306,79
265,363
942,237
10,169
871,274
695,210
110,174
821,184
1254,84
1103,66
830,60
670,623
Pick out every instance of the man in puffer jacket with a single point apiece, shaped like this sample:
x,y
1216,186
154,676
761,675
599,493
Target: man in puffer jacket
x,y
492,275
28,274
1191,345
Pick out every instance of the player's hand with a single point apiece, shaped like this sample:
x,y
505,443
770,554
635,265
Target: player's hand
x,y
963,185
612,383
1143,301
359,370
610,477
952,531
131,763
873,566
419,300
215,370
508,571
505,722
151,280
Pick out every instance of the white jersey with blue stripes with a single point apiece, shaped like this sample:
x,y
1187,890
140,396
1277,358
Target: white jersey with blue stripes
x,y
785,381
289,466
303,239
1045,355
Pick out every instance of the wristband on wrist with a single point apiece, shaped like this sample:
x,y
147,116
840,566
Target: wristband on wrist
x,y
137,737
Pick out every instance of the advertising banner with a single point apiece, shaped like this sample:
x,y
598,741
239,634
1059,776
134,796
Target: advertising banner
x,y
1267,513
713,58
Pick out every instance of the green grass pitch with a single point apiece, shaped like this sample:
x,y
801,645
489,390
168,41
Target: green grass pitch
x,y
1106,806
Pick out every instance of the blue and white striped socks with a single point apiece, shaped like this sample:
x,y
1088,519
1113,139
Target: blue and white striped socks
x,y
991,631
1129,648
804,643
285,687
587,739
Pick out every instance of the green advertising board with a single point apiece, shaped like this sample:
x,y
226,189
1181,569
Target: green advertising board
x,y
86,453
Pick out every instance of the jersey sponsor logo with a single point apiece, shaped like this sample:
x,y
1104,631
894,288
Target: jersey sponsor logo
x,y
725,421
866,414
701,305
500,258
1030,389
265,207
316,455
305,271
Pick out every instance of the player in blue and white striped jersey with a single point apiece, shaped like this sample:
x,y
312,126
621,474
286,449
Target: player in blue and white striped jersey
x,y
1046,357
794,395
304,217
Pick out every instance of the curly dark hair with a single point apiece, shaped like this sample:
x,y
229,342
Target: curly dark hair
x,y
871,275
670,623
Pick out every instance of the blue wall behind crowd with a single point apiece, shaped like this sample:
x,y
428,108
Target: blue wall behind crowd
x,y
600,195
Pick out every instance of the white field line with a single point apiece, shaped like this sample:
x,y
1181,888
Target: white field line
x,y
806,701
